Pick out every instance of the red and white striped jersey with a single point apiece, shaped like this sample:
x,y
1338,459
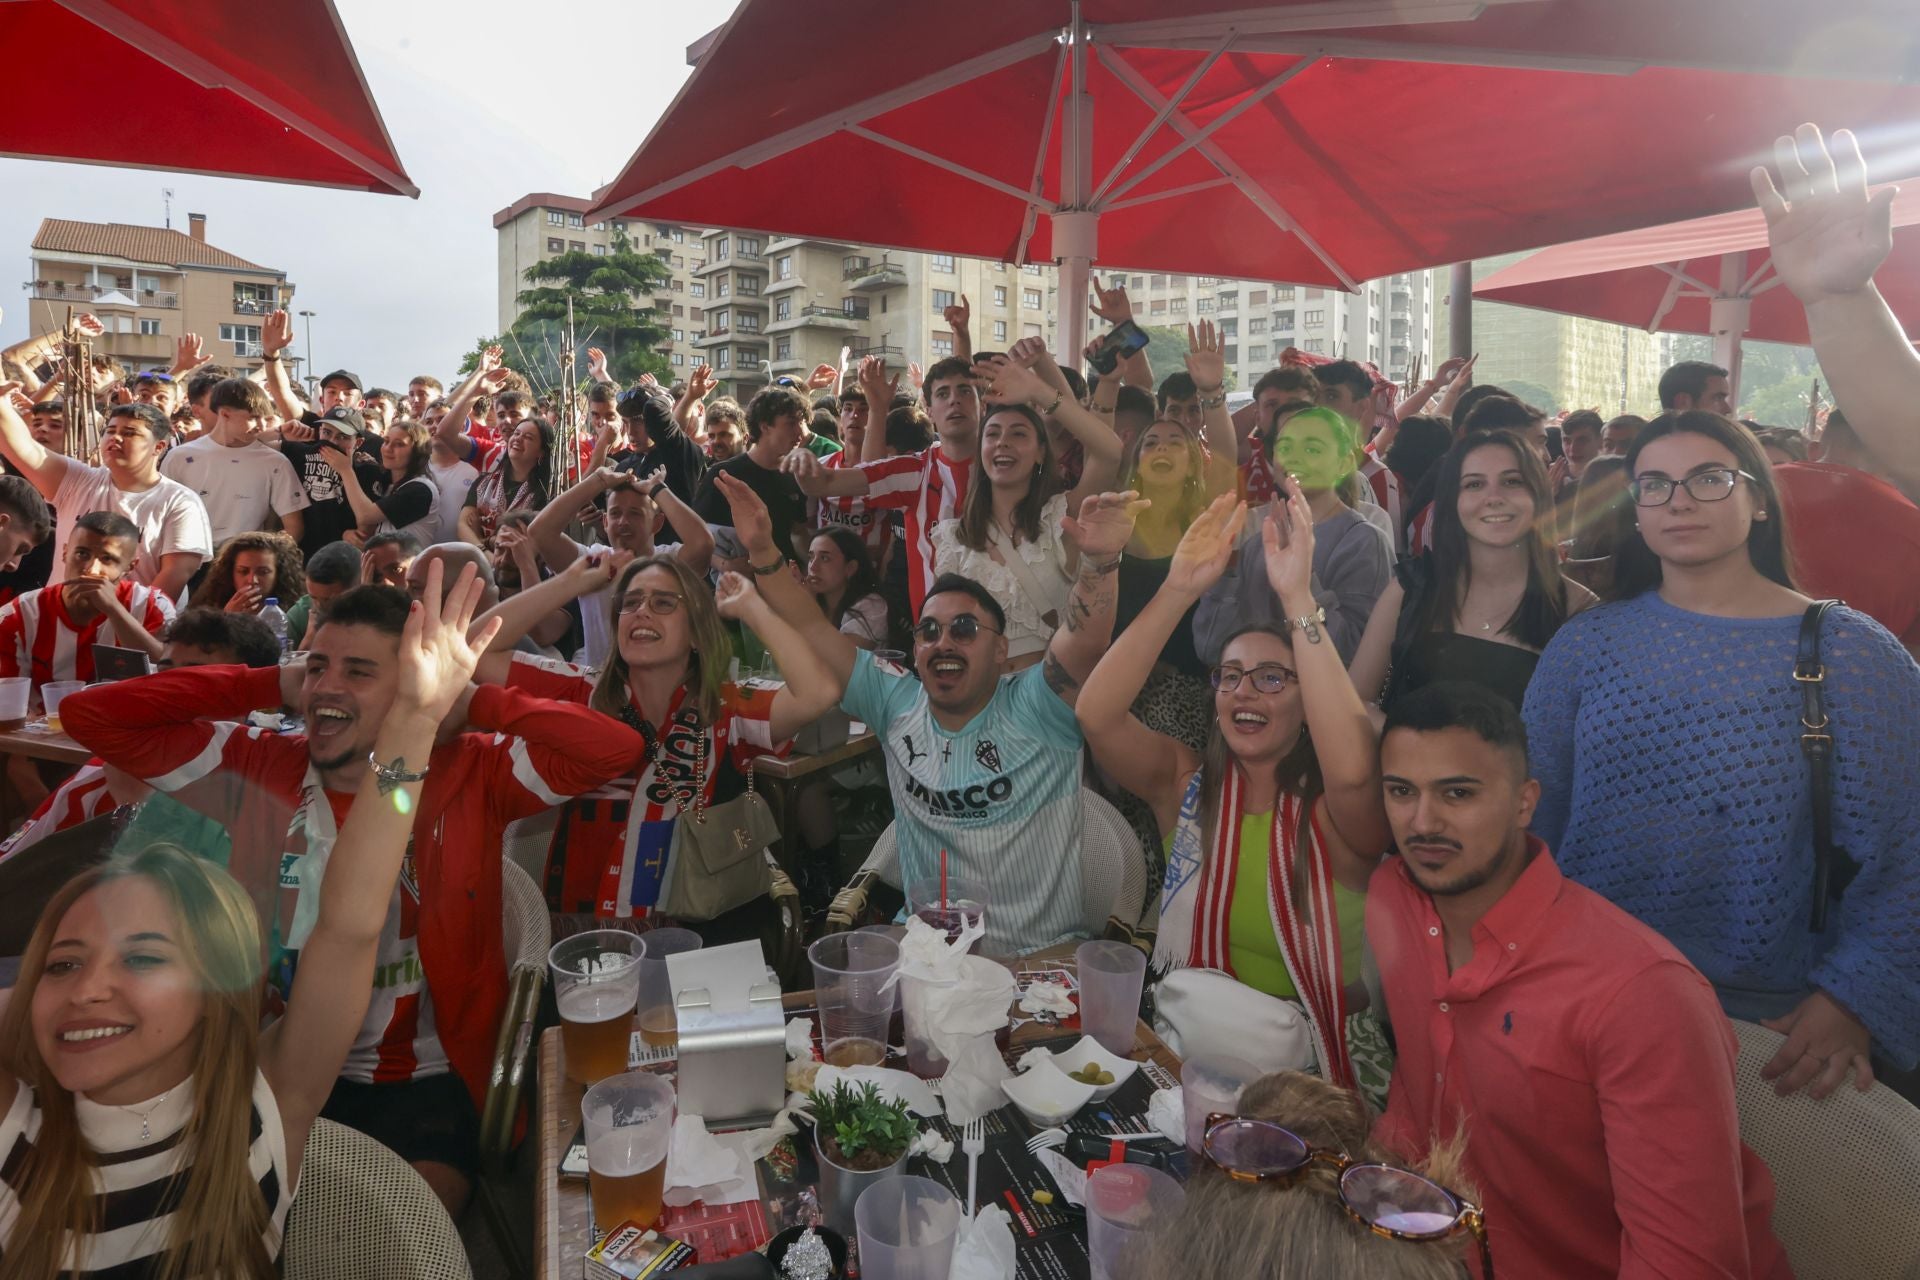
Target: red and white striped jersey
x,y
1388,493
397,1040
853,513
38,638
930,487
1420,532
85,795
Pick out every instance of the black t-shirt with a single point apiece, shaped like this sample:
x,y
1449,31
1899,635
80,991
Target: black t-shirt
x,y
406,502
786,505
330,515
682,458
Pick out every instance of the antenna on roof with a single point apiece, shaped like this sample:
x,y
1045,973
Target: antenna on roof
x,y
166,194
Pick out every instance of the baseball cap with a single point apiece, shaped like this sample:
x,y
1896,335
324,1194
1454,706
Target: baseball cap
x,y
344,420
341,375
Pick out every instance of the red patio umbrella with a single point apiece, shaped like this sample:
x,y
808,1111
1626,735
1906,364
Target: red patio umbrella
x,y
1317,141
1710,276
239,88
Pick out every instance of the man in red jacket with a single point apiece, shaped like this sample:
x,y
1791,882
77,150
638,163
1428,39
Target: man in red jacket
x,y
441,981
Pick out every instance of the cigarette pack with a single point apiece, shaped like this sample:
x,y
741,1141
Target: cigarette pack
x,y
630,1251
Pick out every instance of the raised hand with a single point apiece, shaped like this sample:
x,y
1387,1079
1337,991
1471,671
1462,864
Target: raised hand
x,y
492,358
1287,537
1026,351
1010,383
916,375
296,431
1111,305
735,596
495,379
878,387
958,314
1827,233
597,365
750,518
1208,546
700,382
592,573
1205,362
437,656
1105,523
16,397
1449,369
87,325
276,333
822,377
189,354
650,382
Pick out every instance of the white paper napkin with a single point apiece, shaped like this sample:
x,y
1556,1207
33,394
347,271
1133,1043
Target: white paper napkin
x,y
984,1248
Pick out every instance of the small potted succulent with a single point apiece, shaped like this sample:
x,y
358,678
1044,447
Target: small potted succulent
x,y
858,1139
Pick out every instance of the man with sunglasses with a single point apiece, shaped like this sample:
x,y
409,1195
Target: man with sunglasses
x,y
983,765
1589,1064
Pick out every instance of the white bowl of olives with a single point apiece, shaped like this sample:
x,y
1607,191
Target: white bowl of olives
x,y
1087,1061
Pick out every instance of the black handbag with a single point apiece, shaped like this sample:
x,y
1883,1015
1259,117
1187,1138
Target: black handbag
x,y
1833,868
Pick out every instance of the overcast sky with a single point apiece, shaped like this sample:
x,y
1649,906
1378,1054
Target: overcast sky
x,y
485,100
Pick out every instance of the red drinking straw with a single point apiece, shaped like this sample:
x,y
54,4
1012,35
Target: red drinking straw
x,y
943,879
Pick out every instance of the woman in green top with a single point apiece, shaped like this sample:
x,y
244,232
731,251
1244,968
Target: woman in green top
x,y
1276,827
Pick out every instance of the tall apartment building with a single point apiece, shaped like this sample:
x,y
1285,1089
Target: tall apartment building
x,y
544,225
149,286
1584,363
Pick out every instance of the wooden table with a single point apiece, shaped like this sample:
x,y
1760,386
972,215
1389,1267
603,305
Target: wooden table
x,y
34,740
562,1217
784,778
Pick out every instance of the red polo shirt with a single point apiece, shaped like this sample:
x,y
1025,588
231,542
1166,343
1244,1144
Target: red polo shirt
x,y
1590,1067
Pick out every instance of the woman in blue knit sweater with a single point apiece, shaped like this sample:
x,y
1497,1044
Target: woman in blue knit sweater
x,y
1665,732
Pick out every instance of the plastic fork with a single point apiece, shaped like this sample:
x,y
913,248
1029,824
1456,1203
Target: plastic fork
x,y
973,1141
1056,1138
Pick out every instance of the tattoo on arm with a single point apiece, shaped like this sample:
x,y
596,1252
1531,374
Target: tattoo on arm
x,y
1091,593
1058,678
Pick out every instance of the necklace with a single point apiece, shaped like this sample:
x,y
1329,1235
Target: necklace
x,y
146,1117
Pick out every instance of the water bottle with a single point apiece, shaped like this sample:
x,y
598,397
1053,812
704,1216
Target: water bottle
x,y
270,613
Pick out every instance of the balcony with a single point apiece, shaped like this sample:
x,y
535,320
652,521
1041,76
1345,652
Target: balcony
x,y
777,285
86,294
136,347
1227,304
750,364
875,276
254,306
787,364
891,354
837,319
781,244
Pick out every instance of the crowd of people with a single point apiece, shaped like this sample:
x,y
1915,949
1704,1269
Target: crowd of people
x,y
1495,759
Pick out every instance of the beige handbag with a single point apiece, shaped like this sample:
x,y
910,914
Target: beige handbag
x,y
719,858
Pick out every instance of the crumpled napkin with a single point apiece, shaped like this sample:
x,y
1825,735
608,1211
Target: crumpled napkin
x,y
901,1086
955,1002
698,1168
1042,996
984,1248
932,1145
799,1039
1166,1113
1033,1058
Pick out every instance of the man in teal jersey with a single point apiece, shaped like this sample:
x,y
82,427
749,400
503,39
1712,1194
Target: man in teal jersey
x,y
983,765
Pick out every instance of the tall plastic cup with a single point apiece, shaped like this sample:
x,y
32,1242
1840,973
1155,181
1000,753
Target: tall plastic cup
x,y
14,691
1124,1203
907,1229
849,970
1212,1083
52,694
1111,975
596,983
964,902
659,1025
629,1122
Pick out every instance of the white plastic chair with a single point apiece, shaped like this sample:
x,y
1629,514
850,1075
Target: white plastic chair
x,y
362,1213
1845,1170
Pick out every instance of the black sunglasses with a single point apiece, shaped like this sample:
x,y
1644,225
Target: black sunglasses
x,y
964,628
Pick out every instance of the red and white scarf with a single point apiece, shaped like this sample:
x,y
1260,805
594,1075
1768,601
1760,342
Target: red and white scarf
x,y
1197,908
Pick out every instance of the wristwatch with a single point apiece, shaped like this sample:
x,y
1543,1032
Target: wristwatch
x,y
395,774
768,570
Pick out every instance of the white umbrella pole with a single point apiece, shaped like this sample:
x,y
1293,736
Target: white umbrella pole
x,y
1076,229
1075,237
1727,317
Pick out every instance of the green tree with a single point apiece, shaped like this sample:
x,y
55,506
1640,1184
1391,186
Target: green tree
x,y
1167,352
612,309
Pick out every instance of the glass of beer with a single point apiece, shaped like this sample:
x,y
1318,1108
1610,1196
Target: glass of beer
x,y
52,694
596,983
14,692
629,1120
659,1025
850,971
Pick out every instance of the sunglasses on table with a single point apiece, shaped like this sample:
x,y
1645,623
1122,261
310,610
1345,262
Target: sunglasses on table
x,y
1716,485
659,603
1268,677
1385,1199
963,629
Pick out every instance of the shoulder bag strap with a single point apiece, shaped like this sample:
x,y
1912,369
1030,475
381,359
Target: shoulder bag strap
x,y
1833,869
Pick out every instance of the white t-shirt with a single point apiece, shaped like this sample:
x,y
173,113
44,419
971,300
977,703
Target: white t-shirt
x,y
239,486
596,610
453,482
171,518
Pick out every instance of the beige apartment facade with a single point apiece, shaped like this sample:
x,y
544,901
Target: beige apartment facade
x,y
150,286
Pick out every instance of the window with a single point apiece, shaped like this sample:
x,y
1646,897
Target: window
x,y
697,289
854,262
1283,322
1229,328
783,348
1313,318
678,358
943,262
679,286
999,295
678,260
1158,306
749,246
1257,298
721,248
679,236
1283,294
1178,306
1258,354
150,328
578,246
693,313
1032,268
783,308
1030,331
599,251
244,337
1030,298
1179,282
1230,354
679,310
783,267
747,322
722,288
556,245
999,330
1315,347
1203,305
1156,282
942,299
1139,282
679,335
748,285
1315,293
1256,324
599,226
942,345
555,218
723,359
248,299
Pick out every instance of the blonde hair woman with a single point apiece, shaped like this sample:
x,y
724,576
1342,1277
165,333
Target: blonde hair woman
x,y
146,1122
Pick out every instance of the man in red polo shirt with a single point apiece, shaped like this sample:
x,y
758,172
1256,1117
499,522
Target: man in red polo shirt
x,y
1588,1064
440,983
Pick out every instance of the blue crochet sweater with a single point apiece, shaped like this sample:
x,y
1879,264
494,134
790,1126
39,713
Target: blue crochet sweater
x,y
1667,748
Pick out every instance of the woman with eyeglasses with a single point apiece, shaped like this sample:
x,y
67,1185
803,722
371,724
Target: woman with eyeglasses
x,y
667,676
1666,731
1291,1188
1482,602
1273,829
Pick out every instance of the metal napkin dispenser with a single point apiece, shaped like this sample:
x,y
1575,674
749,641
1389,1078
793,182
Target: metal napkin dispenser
x,y
733,1040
